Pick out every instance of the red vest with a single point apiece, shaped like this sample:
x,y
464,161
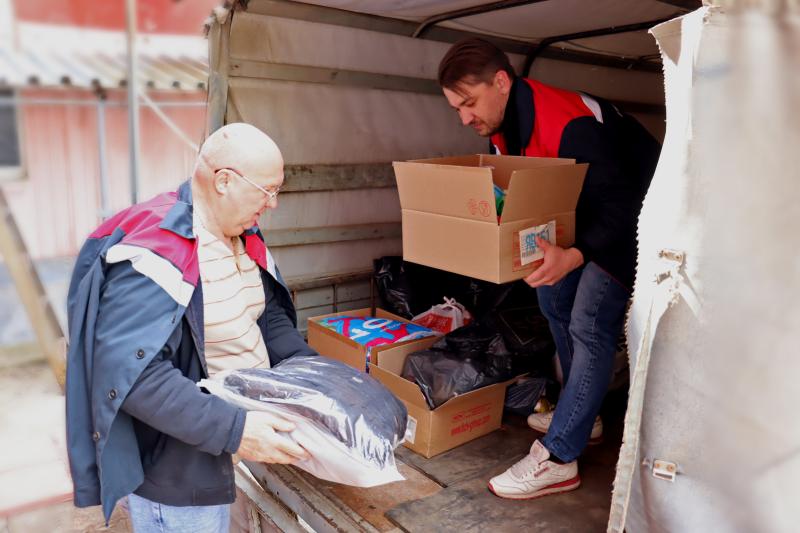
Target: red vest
x,y
553,109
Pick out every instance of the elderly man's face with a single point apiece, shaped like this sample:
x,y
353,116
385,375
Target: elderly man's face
x,y
246,198
481,105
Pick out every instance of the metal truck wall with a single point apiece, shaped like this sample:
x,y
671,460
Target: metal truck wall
x,y
715,323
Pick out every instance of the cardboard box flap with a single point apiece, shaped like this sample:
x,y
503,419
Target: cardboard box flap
x,y
503,166
472,160
452,190
399,386
551,189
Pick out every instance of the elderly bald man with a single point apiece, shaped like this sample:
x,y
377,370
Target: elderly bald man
x,y
163,294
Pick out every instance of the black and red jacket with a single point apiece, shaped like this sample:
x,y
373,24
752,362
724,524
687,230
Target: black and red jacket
x,y
544,121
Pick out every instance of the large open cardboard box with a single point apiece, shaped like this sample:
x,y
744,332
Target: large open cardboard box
x,y
459,420
450,219
331,344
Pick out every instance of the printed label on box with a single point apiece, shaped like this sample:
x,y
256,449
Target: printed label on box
x,y
529,251
470,419
411,430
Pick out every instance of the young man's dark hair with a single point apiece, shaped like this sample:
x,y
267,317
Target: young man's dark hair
x,y
472,60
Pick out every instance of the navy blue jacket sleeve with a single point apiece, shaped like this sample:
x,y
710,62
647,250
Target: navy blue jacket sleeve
x,y
607,207
166,400
282,338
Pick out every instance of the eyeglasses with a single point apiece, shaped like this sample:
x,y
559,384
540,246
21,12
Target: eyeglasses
x,y
271,195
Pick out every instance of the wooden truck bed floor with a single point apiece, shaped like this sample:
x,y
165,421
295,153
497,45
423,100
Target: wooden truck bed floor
x,y
449,491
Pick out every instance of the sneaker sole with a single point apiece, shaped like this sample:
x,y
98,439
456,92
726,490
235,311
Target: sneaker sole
x,y
564,486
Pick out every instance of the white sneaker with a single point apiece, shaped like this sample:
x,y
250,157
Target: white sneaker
x,y
535,476
541,422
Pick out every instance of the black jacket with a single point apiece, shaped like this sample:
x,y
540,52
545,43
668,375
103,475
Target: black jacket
x,y
196,469
622,157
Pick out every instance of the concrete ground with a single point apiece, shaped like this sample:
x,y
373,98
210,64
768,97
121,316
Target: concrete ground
x,y
15,327
35,486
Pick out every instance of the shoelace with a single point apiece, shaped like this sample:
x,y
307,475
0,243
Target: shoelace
x,y
524,466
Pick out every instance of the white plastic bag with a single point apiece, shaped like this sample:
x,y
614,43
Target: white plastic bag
x,y
444,318
348,422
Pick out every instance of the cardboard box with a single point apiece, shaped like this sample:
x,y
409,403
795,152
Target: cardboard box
x,y
459,420
450,220
331,344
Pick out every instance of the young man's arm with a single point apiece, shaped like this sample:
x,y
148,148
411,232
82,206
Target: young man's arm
x,y
608,206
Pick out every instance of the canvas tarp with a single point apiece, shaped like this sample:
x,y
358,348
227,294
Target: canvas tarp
x,y
714,325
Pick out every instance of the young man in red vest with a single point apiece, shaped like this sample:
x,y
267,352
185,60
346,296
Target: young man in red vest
x,y
582,290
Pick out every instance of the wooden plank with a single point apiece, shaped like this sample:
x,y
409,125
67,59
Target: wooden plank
x,y
467,504
358,290
306,178
315,297
21,354
265,502
307,282
31,291
218,61
477,458
374,502
355,304
301,494
278,238
324,296
304,314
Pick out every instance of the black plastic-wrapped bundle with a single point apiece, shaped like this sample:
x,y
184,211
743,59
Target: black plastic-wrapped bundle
x,y
466,359
349,422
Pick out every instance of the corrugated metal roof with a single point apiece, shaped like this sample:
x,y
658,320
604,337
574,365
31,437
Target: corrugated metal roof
x,y
100,70
59,57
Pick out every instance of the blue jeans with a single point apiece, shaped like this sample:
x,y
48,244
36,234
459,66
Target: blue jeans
x,y
151,517
585,311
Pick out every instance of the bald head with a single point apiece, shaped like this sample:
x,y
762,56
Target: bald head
x,y
237,171
239,146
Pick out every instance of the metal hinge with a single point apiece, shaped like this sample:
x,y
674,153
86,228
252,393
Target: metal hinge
x,y
665,470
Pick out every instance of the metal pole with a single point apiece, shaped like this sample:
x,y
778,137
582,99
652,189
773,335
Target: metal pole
x,y
169,122
133,100
531,56
468,12
101,152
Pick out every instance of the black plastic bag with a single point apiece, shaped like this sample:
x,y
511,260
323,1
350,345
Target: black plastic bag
x,y
407,289
521,396
464,360
394,286
525,330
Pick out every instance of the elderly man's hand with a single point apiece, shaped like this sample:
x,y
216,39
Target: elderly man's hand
x,y
261,441
558,262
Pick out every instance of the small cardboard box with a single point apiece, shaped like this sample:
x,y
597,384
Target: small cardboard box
x,y
331,344
459,420
450,219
